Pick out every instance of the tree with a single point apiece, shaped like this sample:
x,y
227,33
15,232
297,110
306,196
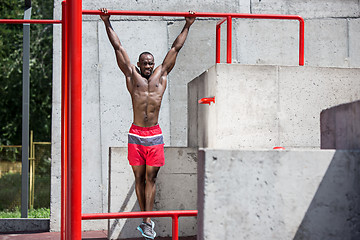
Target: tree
x,y
11,72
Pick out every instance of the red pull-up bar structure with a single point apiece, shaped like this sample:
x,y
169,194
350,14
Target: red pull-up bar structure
x,y
226,17
71,144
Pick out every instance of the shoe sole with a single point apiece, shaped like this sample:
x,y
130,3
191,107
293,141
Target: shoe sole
x,y
144,235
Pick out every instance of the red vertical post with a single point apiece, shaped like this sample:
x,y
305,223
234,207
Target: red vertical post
x,y
74,34
218,36
302,40
64,120
175,227
229,39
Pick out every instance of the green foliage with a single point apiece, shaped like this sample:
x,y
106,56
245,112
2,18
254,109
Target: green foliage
x,y
10,154
10,191
11,72
34,213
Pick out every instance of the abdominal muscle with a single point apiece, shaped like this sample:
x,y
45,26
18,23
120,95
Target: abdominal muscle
x,y
146,108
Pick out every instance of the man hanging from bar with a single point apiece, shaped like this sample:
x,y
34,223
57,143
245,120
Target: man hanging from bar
x,y
145,140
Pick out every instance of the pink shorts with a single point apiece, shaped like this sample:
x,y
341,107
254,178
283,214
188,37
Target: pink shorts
x,y
146,146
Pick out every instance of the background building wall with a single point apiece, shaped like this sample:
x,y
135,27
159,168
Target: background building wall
x,y
331,33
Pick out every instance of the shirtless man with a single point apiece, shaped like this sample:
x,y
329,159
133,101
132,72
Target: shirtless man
x,y
145,141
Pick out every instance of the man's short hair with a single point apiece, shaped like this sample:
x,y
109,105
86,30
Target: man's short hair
x,y
145,53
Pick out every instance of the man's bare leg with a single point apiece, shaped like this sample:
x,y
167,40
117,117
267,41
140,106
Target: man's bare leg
x,y
145,188
139,172
150,188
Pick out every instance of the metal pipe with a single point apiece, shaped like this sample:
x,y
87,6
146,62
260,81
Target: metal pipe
x,y
215,15
74,38
173,214
218,39
180,213
302,42
64,120
175,227
32,21
229,40
25,116
187,14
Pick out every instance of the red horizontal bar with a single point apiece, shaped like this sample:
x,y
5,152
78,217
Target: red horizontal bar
x,y
179,213
197,14
33,21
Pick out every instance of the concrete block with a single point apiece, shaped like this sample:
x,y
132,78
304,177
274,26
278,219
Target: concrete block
x,y
278,194
21,225
354,44
308,8
266,106
244,114
340,127
326,42
176,190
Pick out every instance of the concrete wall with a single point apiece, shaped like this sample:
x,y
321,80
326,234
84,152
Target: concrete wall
x,y
298,194
176,190
21,225
331,40
340,127
265,106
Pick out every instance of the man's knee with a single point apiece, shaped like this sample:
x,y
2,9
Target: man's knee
x,y
139,178
150,177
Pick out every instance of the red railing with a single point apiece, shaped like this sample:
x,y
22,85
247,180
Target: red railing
x,y
173,214
30,21
225,17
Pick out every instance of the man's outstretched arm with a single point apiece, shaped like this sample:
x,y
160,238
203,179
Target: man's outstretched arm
x,y
170,59
122,57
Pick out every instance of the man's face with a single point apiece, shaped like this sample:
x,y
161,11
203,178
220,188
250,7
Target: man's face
x,y
146,65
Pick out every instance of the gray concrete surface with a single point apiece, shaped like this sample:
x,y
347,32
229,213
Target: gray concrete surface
x,y
176,190
308,8
16,225
330,40
88,235
340,127
265,106
297,194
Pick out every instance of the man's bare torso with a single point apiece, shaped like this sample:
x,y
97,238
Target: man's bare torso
x,y
146,96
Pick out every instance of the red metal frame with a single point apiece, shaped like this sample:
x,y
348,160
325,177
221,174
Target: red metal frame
x,y
173,214
31,21
218,38
228,17
74,72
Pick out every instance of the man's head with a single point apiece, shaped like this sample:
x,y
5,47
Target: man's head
x,y
146,64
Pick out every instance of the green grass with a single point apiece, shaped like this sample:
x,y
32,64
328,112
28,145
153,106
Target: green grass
x,y
10,192
34,213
